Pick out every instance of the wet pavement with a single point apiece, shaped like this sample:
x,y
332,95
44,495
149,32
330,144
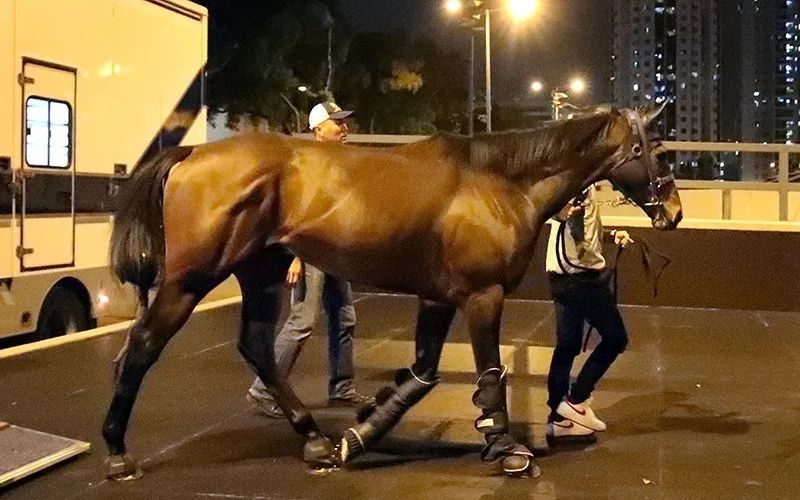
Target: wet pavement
x,y
704,404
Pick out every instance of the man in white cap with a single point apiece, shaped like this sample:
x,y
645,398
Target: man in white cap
x,y
313,290
326,120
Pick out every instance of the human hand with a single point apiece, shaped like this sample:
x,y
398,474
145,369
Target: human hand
x,y
569,210
622,238
295,272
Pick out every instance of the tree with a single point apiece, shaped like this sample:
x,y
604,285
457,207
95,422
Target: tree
x,y
260,52
398,85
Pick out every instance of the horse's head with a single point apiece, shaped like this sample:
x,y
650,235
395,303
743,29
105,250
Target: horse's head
x,y
642,173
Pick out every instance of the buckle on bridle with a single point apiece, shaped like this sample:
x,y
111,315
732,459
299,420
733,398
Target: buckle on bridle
x,y
655,189
636,150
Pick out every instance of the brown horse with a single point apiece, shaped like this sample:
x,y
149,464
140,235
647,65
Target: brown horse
x,y
450,219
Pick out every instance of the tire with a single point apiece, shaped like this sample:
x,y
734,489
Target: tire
x,y
62,313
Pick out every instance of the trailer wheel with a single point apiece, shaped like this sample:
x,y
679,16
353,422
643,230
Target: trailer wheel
x,y
62,313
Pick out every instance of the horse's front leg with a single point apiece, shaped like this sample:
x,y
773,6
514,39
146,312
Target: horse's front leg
x,y
482,311
260,279
411,385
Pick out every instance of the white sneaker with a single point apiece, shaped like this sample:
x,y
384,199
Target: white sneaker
x,y
568,431
582,414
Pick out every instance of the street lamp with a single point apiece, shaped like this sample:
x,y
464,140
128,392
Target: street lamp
x,y
519,9
577,85
453,6
302,89
559,95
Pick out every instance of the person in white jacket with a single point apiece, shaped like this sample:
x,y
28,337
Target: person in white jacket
x,y
581,288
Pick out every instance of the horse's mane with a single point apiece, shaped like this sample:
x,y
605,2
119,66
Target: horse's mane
x,y
536,151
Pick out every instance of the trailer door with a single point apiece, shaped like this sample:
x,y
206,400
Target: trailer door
x,y
47,238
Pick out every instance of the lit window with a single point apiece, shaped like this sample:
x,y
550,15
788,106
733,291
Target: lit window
x,y
49,132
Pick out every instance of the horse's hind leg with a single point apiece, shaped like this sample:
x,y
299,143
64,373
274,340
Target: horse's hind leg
x,y
411,385
171,308
482,311
260,278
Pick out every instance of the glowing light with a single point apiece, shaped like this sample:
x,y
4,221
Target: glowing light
x,y
103,299
453,6
537,86
577,85
521,9
302,88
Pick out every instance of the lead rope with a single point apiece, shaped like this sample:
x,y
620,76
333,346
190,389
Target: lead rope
x,y
647,252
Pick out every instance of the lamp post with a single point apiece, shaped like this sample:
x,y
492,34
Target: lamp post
x,y
302,89
471,96
488,42
519,9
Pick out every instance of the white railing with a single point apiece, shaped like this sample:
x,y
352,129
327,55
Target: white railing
x,y
782,187
737,204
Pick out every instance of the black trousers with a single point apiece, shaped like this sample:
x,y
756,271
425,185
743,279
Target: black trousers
x,y
584,296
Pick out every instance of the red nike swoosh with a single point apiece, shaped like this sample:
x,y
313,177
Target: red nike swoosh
x,y
580,412
569,425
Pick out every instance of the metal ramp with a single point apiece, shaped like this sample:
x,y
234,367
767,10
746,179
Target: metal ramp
x,y
25,451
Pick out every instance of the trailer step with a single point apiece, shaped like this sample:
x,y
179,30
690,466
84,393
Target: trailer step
x,y
25,451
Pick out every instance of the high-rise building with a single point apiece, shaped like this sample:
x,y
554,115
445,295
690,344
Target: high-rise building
x,y
769,48
667,49
760,92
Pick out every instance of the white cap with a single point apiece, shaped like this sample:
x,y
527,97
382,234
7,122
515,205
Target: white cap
x,y
325,111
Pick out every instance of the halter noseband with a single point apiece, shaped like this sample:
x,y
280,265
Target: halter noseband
x,y
641,149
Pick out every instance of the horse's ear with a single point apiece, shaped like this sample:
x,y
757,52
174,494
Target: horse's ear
x,y
651,113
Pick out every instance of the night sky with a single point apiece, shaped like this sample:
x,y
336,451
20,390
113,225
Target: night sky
x,y
565,38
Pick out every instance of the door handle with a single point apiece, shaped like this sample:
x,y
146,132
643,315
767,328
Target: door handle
x,y
14,185
22,251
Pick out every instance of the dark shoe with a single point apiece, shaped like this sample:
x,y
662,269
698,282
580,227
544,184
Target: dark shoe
x,y
352,399
266,406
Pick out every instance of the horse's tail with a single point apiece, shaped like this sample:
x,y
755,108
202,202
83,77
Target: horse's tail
x,y
137,239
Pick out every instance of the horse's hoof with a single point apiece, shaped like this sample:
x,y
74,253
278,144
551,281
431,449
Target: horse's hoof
x,y
319,453
122,468
350,446
520,466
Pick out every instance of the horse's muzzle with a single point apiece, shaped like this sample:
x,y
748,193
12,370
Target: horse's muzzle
x,y
662,222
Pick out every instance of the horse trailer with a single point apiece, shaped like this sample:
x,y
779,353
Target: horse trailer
x,y
88,89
